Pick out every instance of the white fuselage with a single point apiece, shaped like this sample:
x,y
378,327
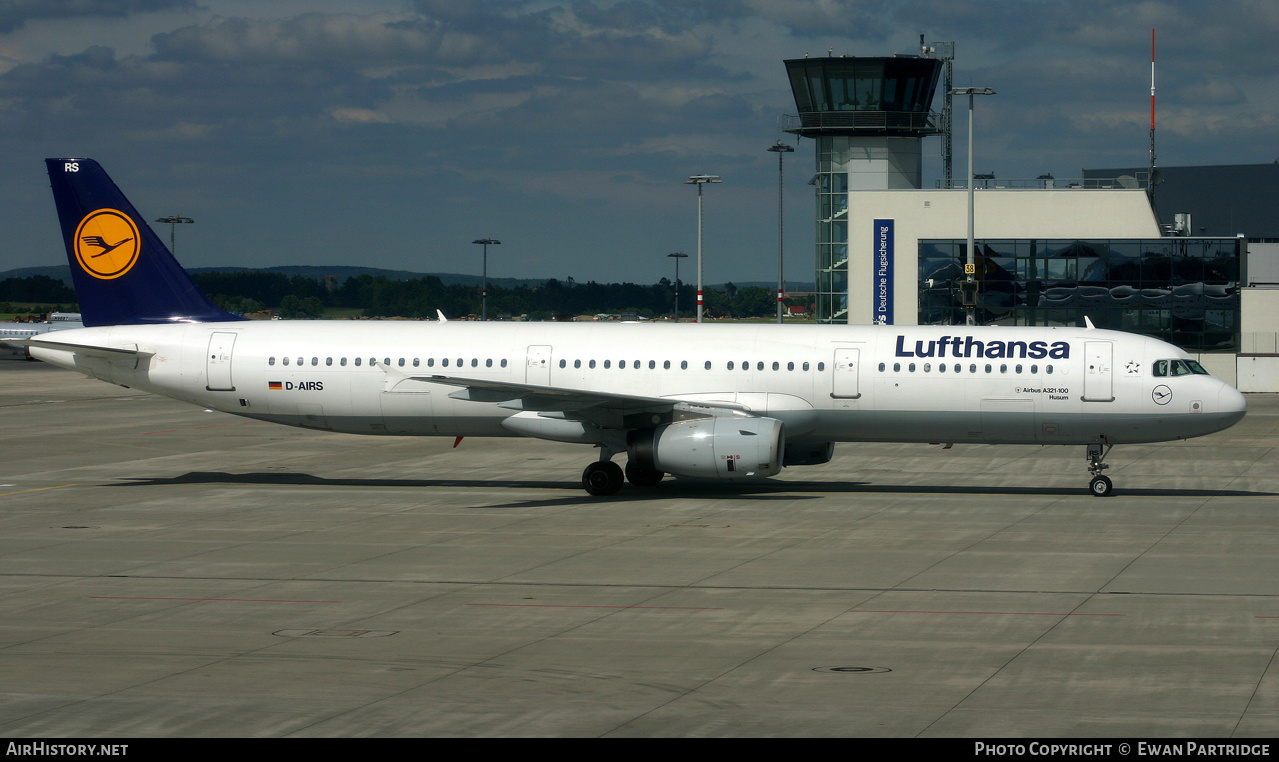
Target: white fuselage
x,y
826,383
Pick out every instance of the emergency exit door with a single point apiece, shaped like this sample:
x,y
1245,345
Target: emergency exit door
x,y
1098,378
845,371
218,377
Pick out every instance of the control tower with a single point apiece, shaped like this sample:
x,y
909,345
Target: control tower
x,y
869,116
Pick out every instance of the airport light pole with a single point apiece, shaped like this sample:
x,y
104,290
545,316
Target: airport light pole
x,y
970,266
781,149
699,181
677,256
173,221
484,294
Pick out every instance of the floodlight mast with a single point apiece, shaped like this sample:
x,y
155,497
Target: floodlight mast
x,y
970,266
173,221
484,294
781,149
699,181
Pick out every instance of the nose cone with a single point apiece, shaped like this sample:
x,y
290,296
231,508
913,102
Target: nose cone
x,y
1231,405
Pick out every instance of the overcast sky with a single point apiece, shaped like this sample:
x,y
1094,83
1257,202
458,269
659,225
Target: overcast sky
x,y
392,133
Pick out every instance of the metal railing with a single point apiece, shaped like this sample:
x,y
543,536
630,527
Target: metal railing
x,y
919,123
1137,181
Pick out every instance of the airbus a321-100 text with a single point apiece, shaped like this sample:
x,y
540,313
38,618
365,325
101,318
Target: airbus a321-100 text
x,y
725,402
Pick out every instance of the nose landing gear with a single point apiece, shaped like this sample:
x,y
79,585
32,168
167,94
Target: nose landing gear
x,y
1100,486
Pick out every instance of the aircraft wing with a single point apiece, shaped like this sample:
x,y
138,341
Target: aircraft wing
x,y
604,409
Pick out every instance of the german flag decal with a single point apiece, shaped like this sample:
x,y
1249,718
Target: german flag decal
x,y
274,385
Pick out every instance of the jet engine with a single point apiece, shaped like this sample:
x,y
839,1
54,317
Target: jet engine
x,y
727,447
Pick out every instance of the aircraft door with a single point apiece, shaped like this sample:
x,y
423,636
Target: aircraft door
x,y
218,377
844,374
539,366
1098,380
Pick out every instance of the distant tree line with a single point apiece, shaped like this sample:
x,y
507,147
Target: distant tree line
x,y
378,296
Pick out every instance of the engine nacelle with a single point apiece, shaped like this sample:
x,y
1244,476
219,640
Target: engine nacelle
x,y
727,447
808,452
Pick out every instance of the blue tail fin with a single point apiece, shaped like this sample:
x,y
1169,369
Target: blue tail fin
x,y
123,274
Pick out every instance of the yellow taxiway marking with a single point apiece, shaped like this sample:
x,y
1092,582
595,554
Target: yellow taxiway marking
x,y
37,489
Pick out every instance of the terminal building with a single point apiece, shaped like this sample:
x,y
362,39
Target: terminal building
x,y
1048,251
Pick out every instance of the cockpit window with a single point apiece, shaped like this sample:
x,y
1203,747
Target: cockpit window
x,y
1179,368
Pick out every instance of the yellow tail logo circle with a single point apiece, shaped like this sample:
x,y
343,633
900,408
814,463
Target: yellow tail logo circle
x,y
107,244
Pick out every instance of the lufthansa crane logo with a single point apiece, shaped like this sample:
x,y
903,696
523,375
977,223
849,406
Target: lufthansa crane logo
x,y
107,244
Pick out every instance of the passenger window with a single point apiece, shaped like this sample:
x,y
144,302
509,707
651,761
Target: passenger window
x,y
503,363
912,367
1049,370
777,366
430,362
1034,369
301,361
636,365
608,364
805,367
357,362
475,362
957,367
881,367
988,368
730,365
941,367
821,366
897,367
760,366
563,363
386,361
972,368
592,363
401,363
1003,368
270,361
653,365
444,362
928,367
708,365
285,361
790,366
416,364
342,362
666,365
1018,369
328,361
577,363
683,364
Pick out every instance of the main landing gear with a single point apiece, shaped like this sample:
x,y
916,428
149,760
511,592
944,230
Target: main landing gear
x,y
604,477
1100,486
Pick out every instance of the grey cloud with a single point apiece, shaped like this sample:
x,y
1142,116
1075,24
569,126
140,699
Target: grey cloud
x,y
14,14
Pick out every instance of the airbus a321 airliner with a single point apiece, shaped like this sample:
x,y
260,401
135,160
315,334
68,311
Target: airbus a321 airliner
x,y
718,402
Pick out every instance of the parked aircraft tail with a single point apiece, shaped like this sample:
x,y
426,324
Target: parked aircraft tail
x,y
123,273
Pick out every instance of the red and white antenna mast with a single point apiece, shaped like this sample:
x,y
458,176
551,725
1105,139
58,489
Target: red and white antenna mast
x,y
1150,179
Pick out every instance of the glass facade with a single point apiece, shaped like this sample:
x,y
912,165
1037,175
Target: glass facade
x,y
1181,290
833,159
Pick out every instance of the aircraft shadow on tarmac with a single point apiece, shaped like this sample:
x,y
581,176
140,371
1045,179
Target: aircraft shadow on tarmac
x,y
670,488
